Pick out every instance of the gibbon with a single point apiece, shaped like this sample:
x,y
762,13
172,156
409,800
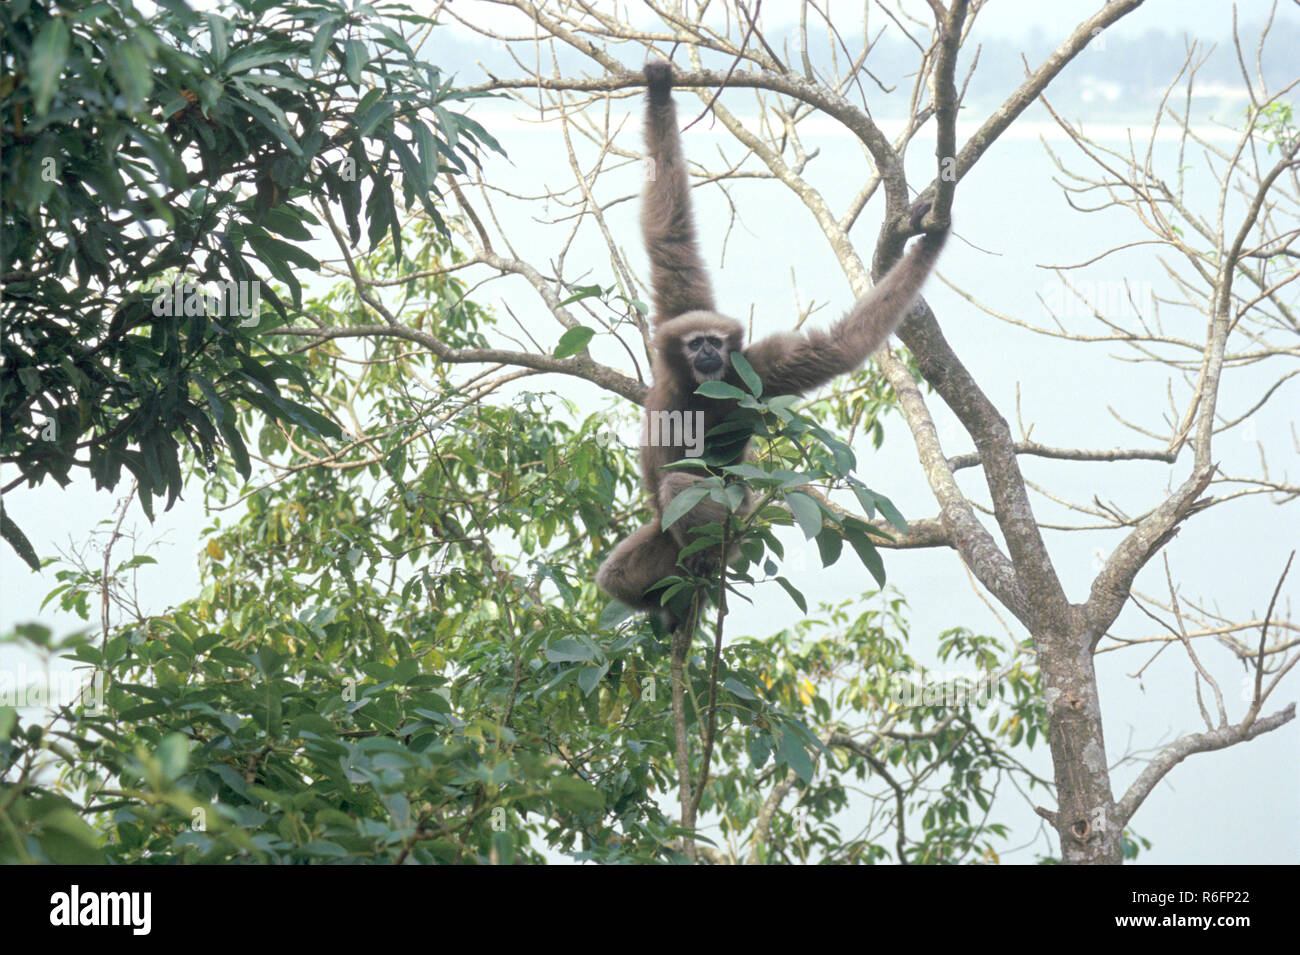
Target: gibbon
x,y
693,344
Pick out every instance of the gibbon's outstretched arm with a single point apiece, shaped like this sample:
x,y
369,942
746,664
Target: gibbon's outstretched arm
x,y
791,363
677,276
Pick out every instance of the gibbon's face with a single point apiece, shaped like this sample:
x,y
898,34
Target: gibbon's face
x,y
707,354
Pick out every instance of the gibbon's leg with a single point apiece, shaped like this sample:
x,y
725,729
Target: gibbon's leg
x,y
638,563
677,276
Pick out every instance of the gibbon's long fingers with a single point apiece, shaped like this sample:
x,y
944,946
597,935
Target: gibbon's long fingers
x,y
793,364
677,276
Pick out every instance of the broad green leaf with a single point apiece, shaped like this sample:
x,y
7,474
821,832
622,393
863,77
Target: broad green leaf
x,y
682,504
807,513
613,614
871,500
219,30
573,341
829,545
320,45
355,58
48,56
577,794
173,754
18,540
589,677
738,688
866,552
719,389
747,374
569,650
890,512
792,753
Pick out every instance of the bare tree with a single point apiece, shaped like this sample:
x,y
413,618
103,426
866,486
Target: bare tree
x,y
573,60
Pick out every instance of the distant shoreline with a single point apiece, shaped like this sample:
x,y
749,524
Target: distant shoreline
x,y
511,118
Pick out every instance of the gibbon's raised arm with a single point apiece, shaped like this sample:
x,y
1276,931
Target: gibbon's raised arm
x,y
677,276
793,363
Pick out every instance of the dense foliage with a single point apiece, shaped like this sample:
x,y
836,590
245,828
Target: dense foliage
x,y
141,151
393,659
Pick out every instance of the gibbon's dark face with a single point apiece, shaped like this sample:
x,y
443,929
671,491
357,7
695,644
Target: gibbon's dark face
x,y
706,352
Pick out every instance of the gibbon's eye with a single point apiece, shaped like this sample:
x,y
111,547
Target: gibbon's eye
x,y
715,341
694,343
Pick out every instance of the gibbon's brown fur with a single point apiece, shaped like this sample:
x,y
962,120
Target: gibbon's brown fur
x,y
693,344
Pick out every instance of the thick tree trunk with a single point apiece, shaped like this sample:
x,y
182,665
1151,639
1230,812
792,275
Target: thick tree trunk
x,y
1085,818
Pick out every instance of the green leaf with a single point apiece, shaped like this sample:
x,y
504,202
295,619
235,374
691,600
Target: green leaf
x,y
589,677
133,72
807,512
355,57
735,498
69,840
865,498
252,57
738,688
569,650
792,753
613,614
49,54
577,794
795,595
18,540
281,220
235,442
370,116
747,374
890,512
583,291
866,551
719,389
320,45
266,112
219,29
310,419
870,501
173,754
682,504
573,341
829,545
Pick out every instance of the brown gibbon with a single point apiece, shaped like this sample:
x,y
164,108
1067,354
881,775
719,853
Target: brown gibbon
x,y
693,344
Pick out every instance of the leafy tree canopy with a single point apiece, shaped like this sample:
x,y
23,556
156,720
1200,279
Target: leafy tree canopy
x,y
145,151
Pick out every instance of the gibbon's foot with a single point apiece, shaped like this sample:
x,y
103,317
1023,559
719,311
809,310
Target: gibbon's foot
x,y
658,79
